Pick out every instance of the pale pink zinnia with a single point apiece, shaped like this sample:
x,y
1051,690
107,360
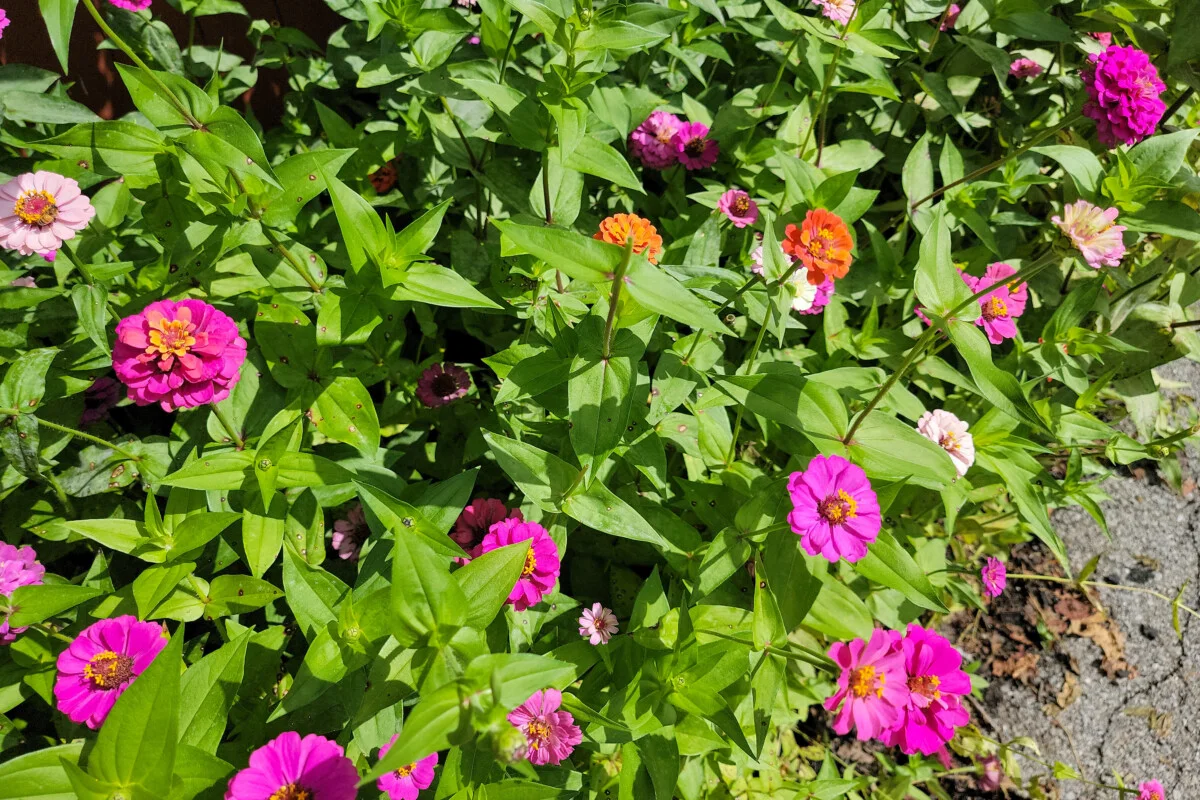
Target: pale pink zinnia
x,y
994,576
651,142
949,433
131,5
951,18
1000,307
551,734
1103,37
1025,68
293,768
23,282
834,510
405,783
18,567
4,22
442,384
992,775
693,147
1123,95
1091,229
541,560
738,207
598,624
936,682
475,521
840,11
41,210
871,687
101,663
350,533
1151,790
757,257
178,354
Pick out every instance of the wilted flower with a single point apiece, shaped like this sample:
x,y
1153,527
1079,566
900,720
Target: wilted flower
x,y
693,148
541,560
871,688
738,207
18,567
1091,229
1123,90
509,745
834,510
994,576
41,210
442,384
822,243
102,662
476,520
131,5
935,682
651,142
951,18
1151,790
292,768
551,734
840,11
406,782
989,780
619,227
949,433
598,624
350,533
1001,306
1025,68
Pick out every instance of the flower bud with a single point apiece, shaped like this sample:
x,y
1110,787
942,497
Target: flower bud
x,y
509,745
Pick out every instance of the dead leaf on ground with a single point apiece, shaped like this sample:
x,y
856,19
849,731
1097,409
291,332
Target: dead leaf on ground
x,y
1070,691
1021,666
1103,630
1159,722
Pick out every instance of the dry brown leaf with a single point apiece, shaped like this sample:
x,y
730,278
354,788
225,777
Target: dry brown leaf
x,y
1021,666
1110,639
1073,608
1070,691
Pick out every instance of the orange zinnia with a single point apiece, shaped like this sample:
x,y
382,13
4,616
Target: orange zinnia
x,y
822,243
619,227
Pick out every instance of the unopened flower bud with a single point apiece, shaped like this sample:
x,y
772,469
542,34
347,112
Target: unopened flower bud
x,y
509,745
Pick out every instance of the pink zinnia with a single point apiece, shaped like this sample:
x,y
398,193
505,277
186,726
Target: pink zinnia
x,y
41,210
989,780
291,768
757,257
350,533
131,5
18,567
4,22
598,624
406,782
650,142
994,576
1123,90
935,683
951,18
834,510
178,354
1091,229
23,282
1025,68
1103,37
98,399
1001,306
442,384
476,520
541,561
840,11
871,689
49,256
693,147
551,734
738,206
102,662
1151,790
949,433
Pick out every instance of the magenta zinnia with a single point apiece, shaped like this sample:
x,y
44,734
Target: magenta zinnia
x,y
476,520
178,354
102,662
442,384
4,22
1025,68
949,433
935,682
41,210
1151,790
1000,307
18,567
951,18
406,782
598,624
292,768
738,207
834,510
871,687
350,533
551,734
1091,229
693,147
541,560
131,5
1123,90
651,142
994,576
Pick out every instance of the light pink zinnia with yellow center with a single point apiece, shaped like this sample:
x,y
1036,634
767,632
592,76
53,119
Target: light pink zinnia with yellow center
x,y
41,210
1091,229
949,433
840,11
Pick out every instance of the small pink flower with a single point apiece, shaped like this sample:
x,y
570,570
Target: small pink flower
x,y
693,148
757,257
1151,790
98,399
442,384
1123,95
1091,229
102,662
951,18
992,775
1103,37
949,433
23,282
473,40
994,576
1001,306
650,142
738,206
131,5
350,533
292,768
871,688
935,683
541,561
475,521
840,11
552,734
41,210
406,782
49,256
598,624
820,299
4,22
1025,68
834,510
18,567
809,298
467,3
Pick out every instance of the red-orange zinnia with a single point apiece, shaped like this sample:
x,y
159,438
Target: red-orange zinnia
x,y
619,227
822,243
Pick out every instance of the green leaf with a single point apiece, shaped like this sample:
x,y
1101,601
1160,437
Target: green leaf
x,y
917,179
306,469
438,286
785,395
597,507
220,471
271,450
238,594
427,730
24,383
425,597
593,157
302,177
487,581
346,318
22,106
345,412
154,583
39,775
114,148
938,285
312,594
34,604
122,535
890,564
262,531
1078,163
207,691
362,229
997,386
888,449
600,390
1160,157
400,517
543,478
60,19
574,254
196,531
656,290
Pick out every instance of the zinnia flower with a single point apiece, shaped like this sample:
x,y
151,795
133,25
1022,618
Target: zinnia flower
x,y
1123,90
871,689
598,624
41,210
1151,790
989,780
178,354
949,433
18,567
541,561
834,510
651,142
350,533
1025,68
840,11
1103,37
1091,229
935,683
102,662
23,282
476,520
442,384
383,179
406,782
292,768
693,147
131,5
551,734
738,206
806,297
467,4
951,18
822,243
98,399
1001,306
757,257
49,256
619,227
4,22
994,576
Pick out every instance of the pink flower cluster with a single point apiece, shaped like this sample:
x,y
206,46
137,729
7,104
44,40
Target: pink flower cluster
x,y
350,533
4,22
994,577
18,567
1123,95
663,140
903,689
1000,307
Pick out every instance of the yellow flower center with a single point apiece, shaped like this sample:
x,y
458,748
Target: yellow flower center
x,y
866,681
108,670
838,508
530,564
741,205
291,791
948,442
36,207
994,308
538,733
404,772
664,135
171,337
926,685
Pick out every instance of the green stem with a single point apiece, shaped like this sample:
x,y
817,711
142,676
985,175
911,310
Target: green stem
x,y
462,136
1102,584
818,660
54,426
787,58
256,213
824,98
614,299
512,39
737,424
73,257
230,429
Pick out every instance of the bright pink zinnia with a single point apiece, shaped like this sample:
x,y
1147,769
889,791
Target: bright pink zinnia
x,y
292,768
949,433
131,5
102,662
871,689
4,22
1000,307
693,147
834,510
1151,790
951,18
350,533
442,384
738,206
178,354
840,11
1123,90
1025,68
1091,229
935,683
476,520
406,782
41,210
541,561
18,567
551,734
598,624
651,143
994,576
